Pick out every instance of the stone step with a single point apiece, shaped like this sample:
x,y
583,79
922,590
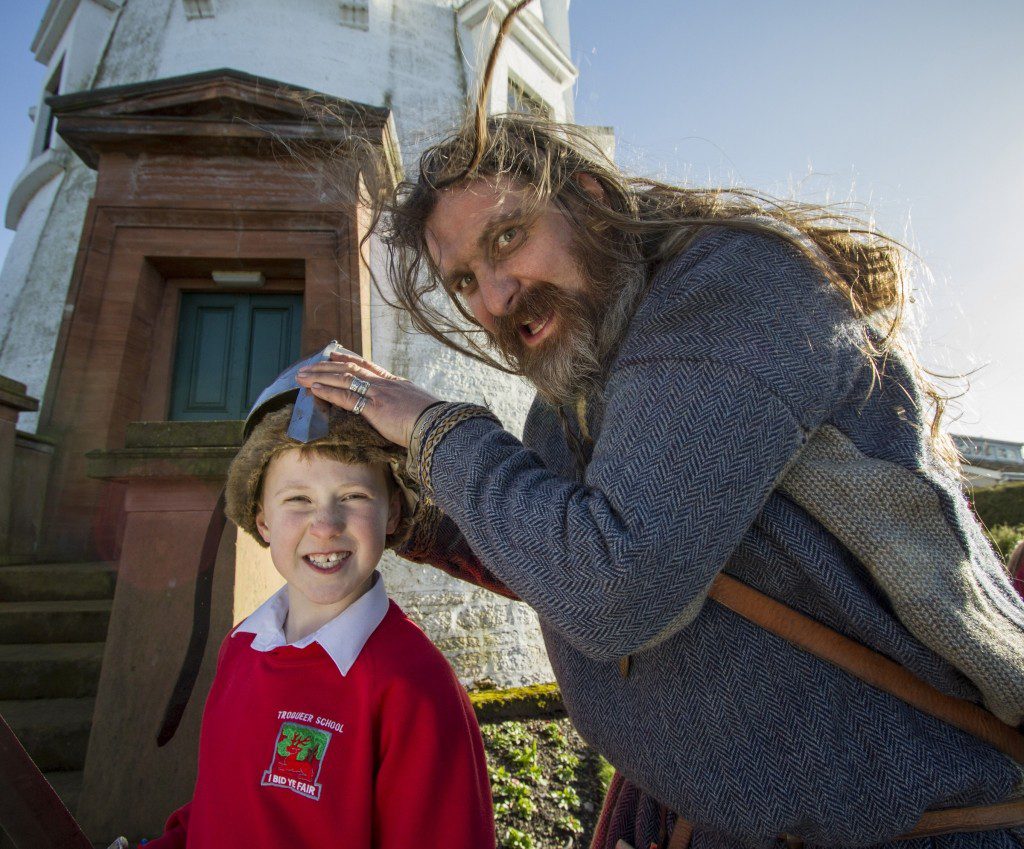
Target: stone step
x,y
54,621
55,732
57,581
49,670
68,785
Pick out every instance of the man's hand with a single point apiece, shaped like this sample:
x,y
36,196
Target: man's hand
x,y
392,403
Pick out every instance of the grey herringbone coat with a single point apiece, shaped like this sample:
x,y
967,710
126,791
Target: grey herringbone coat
x,y
738,353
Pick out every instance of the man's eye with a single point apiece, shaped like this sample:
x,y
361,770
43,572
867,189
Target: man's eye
x,y
300,499
354,496
463,284
507,237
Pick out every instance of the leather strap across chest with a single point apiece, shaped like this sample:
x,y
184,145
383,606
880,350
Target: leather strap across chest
x,y
880,672
869,666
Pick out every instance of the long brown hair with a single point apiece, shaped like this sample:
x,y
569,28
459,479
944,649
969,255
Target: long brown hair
x,y
638,220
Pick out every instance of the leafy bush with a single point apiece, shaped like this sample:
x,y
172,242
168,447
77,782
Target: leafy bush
x,y
516,839
1005,538
1000,505
545,783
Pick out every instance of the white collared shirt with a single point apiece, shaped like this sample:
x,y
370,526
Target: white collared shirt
x,y
342,638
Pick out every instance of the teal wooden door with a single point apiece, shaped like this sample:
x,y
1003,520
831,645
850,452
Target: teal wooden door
x,y
229,348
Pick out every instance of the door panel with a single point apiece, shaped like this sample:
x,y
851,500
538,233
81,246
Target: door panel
x,y
275,330
229,348
209,370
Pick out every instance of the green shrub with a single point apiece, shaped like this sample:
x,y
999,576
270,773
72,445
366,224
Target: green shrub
x,y
1000,505
1005,538
605,773
545,782
516,839
565,798
569,824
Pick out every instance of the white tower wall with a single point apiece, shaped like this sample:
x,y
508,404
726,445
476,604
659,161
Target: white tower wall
x,y
419,57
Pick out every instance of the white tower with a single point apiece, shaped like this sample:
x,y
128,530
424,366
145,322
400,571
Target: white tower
x,y
420,58
144,179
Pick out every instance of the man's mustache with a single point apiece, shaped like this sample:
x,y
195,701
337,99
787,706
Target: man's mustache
x,y
538,302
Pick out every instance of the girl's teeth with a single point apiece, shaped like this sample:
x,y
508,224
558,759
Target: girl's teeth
x,y
325,560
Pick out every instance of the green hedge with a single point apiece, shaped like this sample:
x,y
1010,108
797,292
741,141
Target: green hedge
x,y
1000,505
1005,538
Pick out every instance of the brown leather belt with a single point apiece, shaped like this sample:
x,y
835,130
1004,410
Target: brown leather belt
x,y
869,666
956,820
932,823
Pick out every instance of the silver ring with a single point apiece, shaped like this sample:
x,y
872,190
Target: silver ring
x,y
360,403
358,385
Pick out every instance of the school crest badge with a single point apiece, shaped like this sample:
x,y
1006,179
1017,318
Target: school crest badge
x,y
298,756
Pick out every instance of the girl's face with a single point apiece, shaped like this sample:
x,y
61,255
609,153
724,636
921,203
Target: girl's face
x,y
326,524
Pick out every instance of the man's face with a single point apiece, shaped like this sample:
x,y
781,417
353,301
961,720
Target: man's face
x,y
326,523
514,268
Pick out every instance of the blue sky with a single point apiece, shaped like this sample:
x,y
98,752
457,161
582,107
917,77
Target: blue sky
x,y
23,81
912,109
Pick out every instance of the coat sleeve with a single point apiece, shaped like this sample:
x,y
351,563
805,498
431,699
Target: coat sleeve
x,y
436,541
432,790
725,373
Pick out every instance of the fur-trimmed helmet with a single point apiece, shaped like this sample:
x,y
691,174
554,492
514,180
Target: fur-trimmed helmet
x,y
269,431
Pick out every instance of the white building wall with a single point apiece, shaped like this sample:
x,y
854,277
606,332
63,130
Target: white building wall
x,y
39,306
419,57
18,262
47,204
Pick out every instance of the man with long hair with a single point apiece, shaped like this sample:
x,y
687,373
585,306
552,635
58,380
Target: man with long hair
x,y
762,591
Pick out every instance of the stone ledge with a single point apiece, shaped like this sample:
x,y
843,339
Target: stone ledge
x,y
14,394
538,701
28,183
35,440
179,462
210,434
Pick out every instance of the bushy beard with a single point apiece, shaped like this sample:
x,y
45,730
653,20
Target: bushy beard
x,y
589,327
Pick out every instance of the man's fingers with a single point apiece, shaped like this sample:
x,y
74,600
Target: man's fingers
x,y
348,382
336,374
338,396
391,405
362,363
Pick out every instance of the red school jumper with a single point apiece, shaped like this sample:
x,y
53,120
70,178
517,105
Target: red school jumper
x,y
358,736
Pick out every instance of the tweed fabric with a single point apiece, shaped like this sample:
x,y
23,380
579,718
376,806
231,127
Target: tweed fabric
x,y
890,519
739,352
629,814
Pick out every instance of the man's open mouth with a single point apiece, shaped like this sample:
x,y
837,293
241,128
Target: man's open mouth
x,y
327,562
534,330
